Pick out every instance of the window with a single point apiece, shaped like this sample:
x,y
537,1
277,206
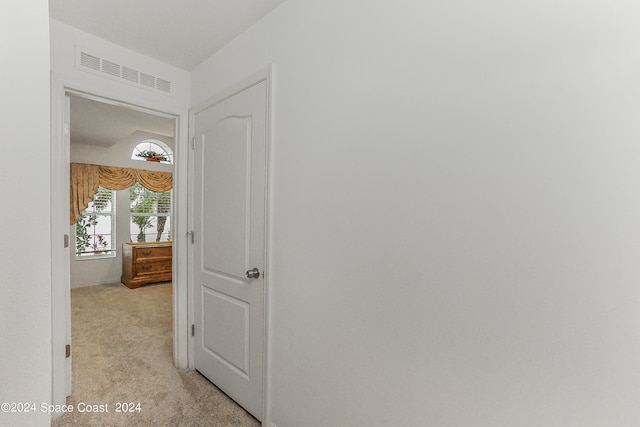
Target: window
x,y
150,215
152,150
95,228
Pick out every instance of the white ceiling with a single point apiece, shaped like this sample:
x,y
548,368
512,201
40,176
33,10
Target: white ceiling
x,y
178,32
100,124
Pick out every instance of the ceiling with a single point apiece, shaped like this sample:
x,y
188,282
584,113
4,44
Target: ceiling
x,y
100,124
178,32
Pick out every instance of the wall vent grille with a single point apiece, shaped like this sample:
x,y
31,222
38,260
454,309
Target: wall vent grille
x,y
147,80
164,85
130,74
113,70
89,61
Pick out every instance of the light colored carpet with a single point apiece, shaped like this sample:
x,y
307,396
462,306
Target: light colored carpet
x,y
122,352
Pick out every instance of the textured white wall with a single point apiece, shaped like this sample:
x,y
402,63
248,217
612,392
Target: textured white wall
x,y
25,282
456,210
87,272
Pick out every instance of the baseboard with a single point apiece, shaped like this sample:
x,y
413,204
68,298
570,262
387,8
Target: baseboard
x,y
84,285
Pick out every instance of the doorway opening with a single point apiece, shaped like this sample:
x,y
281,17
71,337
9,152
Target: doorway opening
x,y
102,132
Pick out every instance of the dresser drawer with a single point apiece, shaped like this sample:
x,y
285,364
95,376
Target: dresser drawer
x,y
155,252
152,267
144,263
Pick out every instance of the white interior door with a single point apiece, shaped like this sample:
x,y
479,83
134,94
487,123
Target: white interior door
x,y
229,251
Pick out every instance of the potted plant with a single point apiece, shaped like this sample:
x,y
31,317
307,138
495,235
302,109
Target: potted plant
x,y
152,156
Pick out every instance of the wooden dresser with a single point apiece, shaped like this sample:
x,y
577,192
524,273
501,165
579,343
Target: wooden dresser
x,y
145,263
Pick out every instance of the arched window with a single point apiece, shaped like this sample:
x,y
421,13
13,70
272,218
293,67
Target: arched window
x,y
152,150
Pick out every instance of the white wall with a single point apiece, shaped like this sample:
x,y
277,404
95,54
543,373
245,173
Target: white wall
x,y
88,272
25,283
455,211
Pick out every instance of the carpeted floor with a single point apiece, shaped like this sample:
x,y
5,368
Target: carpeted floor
x,y
122,354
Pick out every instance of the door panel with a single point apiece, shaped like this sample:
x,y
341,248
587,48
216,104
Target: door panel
x,y
229,222
226,205
227,337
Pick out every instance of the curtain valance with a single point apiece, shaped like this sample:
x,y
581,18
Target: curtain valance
x,y
86,178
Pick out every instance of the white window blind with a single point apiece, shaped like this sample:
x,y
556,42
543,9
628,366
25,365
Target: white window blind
x,y
150,215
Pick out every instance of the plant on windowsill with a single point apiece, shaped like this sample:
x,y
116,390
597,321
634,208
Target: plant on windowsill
x,y
152,156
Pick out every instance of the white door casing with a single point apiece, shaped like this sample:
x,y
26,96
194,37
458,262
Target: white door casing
x,y
60,249
60,159
230,184
68,245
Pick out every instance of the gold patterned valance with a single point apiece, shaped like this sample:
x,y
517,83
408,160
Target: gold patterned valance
x,y
86,178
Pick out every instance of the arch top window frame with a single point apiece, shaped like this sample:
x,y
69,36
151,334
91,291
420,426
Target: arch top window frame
x,y
152,150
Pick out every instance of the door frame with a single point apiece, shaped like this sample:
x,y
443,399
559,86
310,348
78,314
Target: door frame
x,y
59,207
263,75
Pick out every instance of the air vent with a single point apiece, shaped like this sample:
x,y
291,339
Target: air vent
x,y
89,61
130,74
113,70
164,85
147,80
